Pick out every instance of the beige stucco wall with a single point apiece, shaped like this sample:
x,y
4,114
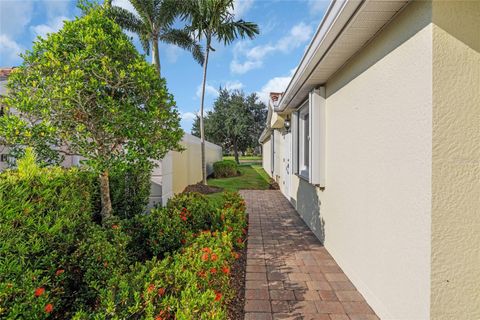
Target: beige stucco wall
x,y
374,214
180,169
456,161
187,164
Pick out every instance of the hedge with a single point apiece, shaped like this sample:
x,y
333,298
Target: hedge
x,y
57,262
225,169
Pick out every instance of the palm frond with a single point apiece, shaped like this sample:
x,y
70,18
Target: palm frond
x,y
184,40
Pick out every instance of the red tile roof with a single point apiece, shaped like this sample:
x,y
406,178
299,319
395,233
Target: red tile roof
x,y
5,72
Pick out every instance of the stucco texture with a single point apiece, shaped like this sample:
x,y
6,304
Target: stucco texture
x,y
455,277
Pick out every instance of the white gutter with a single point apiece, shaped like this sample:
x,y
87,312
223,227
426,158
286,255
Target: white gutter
x,y
336,18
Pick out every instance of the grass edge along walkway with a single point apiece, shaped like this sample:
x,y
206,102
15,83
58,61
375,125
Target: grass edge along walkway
x,y
252,177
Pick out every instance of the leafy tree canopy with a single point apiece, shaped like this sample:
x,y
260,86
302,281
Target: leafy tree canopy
x,y
86,90
235,122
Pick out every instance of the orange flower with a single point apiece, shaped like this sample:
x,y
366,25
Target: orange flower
x,y
161,292
205,257
39,291
239,240
218,296
115,226
206,249
213,270
236,255
150,288
49,308
201,274
226,270
214,257
59,272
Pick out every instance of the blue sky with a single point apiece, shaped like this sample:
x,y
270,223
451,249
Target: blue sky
x,y
261,65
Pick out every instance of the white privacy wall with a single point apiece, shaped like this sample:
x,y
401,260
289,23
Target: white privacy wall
x,y
376,207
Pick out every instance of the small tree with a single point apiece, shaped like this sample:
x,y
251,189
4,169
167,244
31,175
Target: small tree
x,y
87,91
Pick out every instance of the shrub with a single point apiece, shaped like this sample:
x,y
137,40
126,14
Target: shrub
x,y
130,189
44,213
225,169
58,262
165,229
192,284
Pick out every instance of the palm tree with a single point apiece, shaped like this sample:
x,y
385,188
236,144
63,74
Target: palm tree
x,y
153,22
214,20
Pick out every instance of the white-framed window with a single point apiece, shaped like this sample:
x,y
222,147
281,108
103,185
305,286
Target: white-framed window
x,y
303,149
309,138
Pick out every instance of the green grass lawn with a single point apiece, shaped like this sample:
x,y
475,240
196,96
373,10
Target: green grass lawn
x,y
244,158
252,177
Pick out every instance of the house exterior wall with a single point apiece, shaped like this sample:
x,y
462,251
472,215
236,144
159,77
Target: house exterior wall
x,y
267,156
456,161
374,215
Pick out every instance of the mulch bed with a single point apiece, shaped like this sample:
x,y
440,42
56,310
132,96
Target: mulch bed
x,y
201,188
237,281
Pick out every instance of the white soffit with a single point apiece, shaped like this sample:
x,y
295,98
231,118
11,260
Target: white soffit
x,y
346,28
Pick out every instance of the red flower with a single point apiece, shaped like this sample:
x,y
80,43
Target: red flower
x,y
59,272
218,296
206,249
161,292
39,291
205,257
239,240
236,255
213,270
214,257
49,308
183,241
150,288
183,218
115,226
229,228
226,270
201,274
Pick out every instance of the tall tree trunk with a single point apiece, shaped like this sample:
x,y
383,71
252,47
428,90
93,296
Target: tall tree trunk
x,y
105,196
156,55
202,129
235,151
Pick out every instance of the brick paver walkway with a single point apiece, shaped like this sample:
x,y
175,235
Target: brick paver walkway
x,y
290,275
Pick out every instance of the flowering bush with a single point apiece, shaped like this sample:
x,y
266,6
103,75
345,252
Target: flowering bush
x,y
58,262
44,213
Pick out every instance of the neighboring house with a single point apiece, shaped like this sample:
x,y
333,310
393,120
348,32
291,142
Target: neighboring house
x,y
376,142
172,174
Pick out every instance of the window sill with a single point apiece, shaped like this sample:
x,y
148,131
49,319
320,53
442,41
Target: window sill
x,y
303,177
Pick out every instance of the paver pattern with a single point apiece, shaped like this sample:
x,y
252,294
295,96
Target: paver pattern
x,y
290,275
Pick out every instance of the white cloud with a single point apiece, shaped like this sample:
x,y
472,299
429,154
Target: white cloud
x,y
53,25
125,4
277,84
15,16
233,85
241,7
317,6
188,116
55,8
9,49
298,35
172,53
209,91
